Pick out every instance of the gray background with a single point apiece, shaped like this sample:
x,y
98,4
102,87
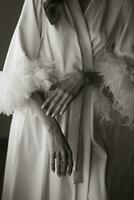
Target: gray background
x,y
9,14
120,146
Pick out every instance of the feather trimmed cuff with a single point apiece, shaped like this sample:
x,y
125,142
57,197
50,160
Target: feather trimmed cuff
x,y
120,80
21,80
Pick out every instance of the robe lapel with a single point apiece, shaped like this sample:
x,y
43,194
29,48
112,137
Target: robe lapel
x,y
83,34
84,5
86,118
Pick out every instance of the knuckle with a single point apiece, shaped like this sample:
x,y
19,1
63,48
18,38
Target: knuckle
x,y
68,93
57,97
57,156
57,90
52,104
57,153
58,163
63,152
61,91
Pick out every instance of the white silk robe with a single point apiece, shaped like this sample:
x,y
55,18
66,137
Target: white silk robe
x,y
76,40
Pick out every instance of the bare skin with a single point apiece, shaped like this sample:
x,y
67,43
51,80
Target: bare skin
x,y
60,96
58,99
61,158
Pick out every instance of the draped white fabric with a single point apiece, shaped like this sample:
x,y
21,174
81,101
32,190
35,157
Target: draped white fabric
x,y
77,40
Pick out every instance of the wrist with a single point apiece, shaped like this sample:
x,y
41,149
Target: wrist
x,y
52,126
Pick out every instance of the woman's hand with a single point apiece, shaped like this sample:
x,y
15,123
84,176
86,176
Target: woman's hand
x,y
59,97
60,153
61,158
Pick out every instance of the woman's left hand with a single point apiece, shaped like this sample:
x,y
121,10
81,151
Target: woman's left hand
x,y
60,96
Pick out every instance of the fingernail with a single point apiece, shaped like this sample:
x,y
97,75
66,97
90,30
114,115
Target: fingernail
x,y
53,114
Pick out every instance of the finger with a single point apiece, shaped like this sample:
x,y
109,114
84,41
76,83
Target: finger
x,y
48,99
54,102
70,162
69,100
60,104
64,163
52,161
58,164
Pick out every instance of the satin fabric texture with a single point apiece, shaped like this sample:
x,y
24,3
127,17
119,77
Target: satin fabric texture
x,y
76,40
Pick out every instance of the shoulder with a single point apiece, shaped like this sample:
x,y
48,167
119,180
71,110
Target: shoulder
x,y
31,12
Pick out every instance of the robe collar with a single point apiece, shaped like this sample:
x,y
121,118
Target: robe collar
x,y
52,10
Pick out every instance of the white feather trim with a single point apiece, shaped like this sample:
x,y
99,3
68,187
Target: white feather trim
x,y
103,106
121,83
22,79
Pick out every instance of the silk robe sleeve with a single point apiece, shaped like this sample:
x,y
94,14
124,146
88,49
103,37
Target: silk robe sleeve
x,y
23,71
117,66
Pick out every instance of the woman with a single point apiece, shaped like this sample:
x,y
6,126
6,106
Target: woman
x,y
61,105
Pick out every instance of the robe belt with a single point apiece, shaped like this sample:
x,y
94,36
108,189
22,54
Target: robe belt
x,y
81,116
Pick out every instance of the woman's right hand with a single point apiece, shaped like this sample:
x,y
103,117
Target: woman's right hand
x,y
61,158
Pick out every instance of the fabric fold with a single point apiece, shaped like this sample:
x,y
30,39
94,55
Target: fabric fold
x,y
52,10
119,77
